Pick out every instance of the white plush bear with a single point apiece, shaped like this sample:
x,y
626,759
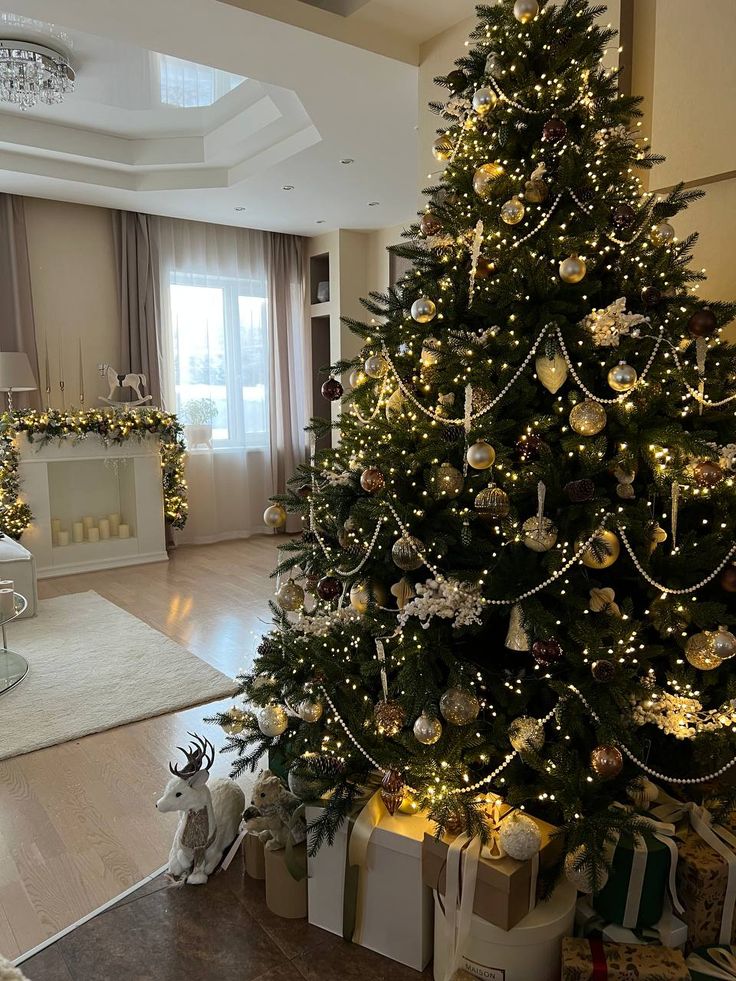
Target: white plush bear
x,y
271,812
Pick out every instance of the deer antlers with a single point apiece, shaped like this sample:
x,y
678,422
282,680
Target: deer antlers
x,y
200,756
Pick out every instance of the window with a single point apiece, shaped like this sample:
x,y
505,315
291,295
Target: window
x,y
220,359
186,85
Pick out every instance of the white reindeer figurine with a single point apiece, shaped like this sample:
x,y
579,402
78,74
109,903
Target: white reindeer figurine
x,y
213,810
117,380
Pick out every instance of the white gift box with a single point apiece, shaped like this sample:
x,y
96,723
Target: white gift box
x,y
669,931
396,907
530,951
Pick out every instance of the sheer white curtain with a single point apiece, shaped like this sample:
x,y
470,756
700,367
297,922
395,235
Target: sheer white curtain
x,y
220,329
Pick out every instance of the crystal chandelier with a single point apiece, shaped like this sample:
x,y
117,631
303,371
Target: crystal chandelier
x,y
31,73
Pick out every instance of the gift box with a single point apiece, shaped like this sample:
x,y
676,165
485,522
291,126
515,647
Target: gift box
x,y
255,860
706,879
638,879
669,931
286,895
707,963
528,952
594,960
381,904
505,890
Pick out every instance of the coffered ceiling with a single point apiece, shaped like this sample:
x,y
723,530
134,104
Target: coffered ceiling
x,y
208,110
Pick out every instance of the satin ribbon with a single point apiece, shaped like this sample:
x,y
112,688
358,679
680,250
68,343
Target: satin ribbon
x,y
463,857
720,840
722,964
360,830
598,956
664,832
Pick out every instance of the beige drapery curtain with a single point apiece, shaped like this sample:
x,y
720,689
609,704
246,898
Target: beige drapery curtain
x,y
137,262
17,322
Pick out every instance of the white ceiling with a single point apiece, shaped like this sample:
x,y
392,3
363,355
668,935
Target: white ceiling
x,y
296,100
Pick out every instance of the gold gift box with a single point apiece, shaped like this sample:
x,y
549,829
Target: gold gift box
x,y
581,960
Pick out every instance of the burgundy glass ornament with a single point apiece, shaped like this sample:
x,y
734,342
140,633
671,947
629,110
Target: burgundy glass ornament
x,y
554,130
329,588
702,323
546,652
528,446
332,390
650,296
579,491
623,217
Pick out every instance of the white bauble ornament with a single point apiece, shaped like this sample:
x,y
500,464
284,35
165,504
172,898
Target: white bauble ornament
x,y
552,372
274,516
578,873
290,596
723,643
642,792
261,680
520,837
526,10
376,366
427,729
423,310
539,536
309,710
361,594
481,455
272,720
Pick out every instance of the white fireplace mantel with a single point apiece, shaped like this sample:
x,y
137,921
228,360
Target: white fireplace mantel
x,y
69,479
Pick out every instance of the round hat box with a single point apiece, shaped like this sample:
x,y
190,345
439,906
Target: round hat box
x,y
531,951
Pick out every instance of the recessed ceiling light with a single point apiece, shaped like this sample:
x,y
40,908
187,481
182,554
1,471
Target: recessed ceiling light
x,y
373,204
240,208
347,160
288,187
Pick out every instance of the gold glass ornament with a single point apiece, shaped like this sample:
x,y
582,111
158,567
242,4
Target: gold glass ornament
x,y
552,372
606,762
236,721
272,720
663,233
517,639
430,352
484,100
372,480
442,148
525,10
536,191
512,211
539,536
492,503
403,592
389,718
588,418
376,366
459,706
309,710
612,550
405,553
484,178
356,378
526,734
290,596
700,652
707,473
274,516
724,643
394,406
427,729
573,269
423,310
622,377
445,481
481,455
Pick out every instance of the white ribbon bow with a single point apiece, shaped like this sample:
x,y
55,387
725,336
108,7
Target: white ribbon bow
x,y
724,966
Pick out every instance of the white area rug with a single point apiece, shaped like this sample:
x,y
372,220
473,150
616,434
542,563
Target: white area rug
x,y
93,667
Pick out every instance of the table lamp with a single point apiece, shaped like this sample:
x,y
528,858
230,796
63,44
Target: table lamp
x,y
16,374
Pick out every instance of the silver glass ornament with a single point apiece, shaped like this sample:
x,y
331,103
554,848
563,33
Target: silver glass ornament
x,y
427,729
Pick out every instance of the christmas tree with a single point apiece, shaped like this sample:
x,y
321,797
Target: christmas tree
x,y
518,558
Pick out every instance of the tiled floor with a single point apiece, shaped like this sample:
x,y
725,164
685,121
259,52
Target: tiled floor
x,y
219,932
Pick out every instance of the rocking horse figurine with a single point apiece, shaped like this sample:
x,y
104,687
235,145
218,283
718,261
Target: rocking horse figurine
x,y
116,380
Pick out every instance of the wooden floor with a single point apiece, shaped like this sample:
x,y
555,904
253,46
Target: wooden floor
x,y
77,821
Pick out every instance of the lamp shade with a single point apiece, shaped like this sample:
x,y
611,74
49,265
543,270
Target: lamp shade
x,y
16,374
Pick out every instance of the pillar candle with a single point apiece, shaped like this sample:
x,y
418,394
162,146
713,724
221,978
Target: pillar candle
x,y
78,531
114,523
88,521
124,531
104,525
93,534
7,603
56,524
63,538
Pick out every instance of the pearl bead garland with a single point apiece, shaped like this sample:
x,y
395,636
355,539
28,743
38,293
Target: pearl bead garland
x,y
536,112
695,394
667,589
612,238
624,395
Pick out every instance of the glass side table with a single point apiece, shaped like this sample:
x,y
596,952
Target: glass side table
x,y
13,667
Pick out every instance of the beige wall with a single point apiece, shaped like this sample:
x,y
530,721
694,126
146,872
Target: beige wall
x,y
74,293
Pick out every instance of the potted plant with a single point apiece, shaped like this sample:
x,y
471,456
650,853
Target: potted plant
x,y
198,416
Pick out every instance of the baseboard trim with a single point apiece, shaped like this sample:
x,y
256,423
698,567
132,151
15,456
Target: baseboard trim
x,y
73,926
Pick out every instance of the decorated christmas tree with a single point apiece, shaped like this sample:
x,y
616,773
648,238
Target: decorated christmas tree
x,y
516,572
